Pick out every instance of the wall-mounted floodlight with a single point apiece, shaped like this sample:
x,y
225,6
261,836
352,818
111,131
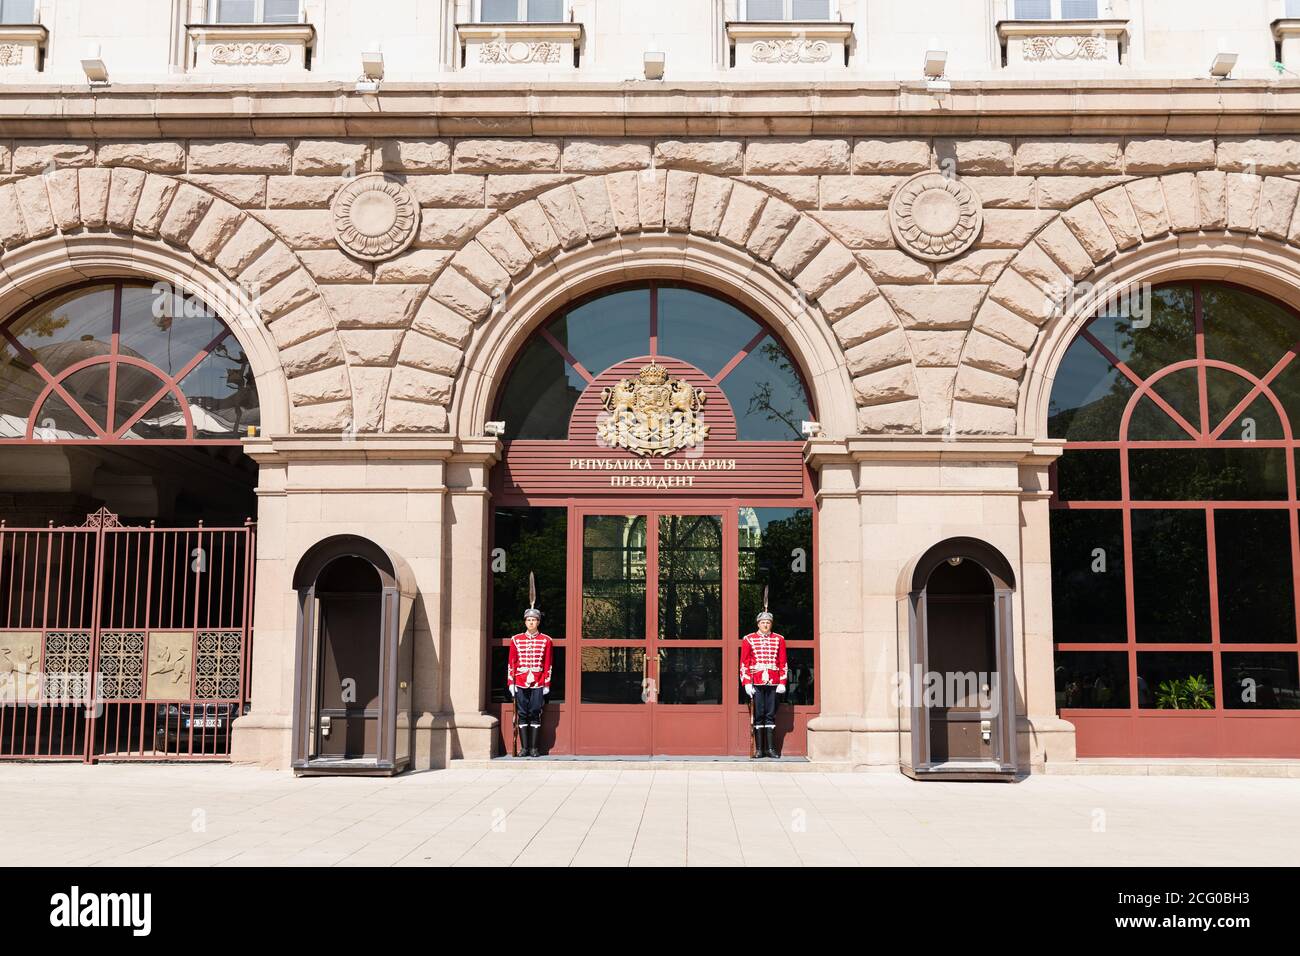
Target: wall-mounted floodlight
x,y
494,429
93,65
1222,64
654,65
810,429
372,63
936,61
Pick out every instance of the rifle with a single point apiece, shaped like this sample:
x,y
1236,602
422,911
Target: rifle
x,y
752,744
514,750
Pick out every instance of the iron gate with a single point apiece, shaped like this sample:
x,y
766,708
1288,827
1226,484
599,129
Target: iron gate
x,y
123,643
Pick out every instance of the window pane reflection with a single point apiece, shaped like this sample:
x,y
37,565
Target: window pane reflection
x,y
775,548
613,675
690,675
690,577
613,576
1091,680
528,540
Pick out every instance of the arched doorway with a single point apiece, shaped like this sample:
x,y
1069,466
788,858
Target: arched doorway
x,y
353,659
957,702
653,481
1175,529
126,533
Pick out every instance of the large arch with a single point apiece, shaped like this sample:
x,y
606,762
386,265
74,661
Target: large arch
x,y
1206,223
711,230
76,224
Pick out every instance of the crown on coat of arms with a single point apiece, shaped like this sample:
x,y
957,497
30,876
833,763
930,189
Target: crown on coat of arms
x,y
652,374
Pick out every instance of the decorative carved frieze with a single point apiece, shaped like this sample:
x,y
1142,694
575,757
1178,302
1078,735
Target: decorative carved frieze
x,y
508,45
520,51
249,54
11,54
1040,48
1043,44
790,51
789,45
263,47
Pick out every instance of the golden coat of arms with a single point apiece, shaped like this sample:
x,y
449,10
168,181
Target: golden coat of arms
x,y
652,414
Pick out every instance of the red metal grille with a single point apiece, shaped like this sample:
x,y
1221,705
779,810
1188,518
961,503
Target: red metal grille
x,y
120,643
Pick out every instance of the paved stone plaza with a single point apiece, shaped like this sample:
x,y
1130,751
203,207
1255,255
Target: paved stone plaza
x,y
74,815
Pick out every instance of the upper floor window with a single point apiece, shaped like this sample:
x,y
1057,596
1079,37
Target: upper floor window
x,y
1056,9
17,11
1293,8
787,9
255,11
520,11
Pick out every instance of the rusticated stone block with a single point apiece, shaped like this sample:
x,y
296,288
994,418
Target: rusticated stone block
x,y
330,157
977,385
248,156
1085,222
604,156
891,157
724,157
506,156
156,157
710,205
796,157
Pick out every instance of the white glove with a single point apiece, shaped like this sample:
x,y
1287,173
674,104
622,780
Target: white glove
x,y
545,691
780,688
511,688
749,689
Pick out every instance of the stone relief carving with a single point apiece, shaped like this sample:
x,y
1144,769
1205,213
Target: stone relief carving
x,y
934,217
375,218
11,54
250,54
794,50
1042,48
520,51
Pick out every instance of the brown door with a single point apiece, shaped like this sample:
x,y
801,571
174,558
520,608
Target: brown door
x,y
348,707
961,653
650,599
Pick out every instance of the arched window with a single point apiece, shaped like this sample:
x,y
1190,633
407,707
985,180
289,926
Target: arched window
x,y
123,361
1175,549
749,364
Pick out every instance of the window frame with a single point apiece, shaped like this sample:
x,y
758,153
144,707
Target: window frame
x,y
521,7
30,21
1208,435
259,15
787,13
1103,12
115,431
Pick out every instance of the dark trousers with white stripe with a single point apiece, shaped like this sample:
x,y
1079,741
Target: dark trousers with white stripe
x,y
764,705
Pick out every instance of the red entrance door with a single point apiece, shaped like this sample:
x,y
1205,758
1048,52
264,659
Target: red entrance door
x,y
653,598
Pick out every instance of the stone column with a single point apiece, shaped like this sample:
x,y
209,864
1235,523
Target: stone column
x,y
840,664
1042,735
459,728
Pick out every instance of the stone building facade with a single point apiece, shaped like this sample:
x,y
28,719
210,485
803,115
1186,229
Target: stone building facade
x,y
925,256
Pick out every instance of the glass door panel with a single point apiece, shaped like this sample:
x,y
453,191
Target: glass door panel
x,y
690,577
614,558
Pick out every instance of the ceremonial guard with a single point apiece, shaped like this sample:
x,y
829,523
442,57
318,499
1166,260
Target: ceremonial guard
x,y
528,675
763,673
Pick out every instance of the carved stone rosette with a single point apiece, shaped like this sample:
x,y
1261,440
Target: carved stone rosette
x,y
375,217
934,217
250,54
790,51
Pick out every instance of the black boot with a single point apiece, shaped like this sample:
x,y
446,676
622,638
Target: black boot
x,y
524,732
532,740
758,743
769,750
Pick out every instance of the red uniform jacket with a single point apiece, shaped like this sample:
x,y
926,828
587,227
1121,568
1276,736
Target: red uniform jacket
x,y
762,659
530,660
